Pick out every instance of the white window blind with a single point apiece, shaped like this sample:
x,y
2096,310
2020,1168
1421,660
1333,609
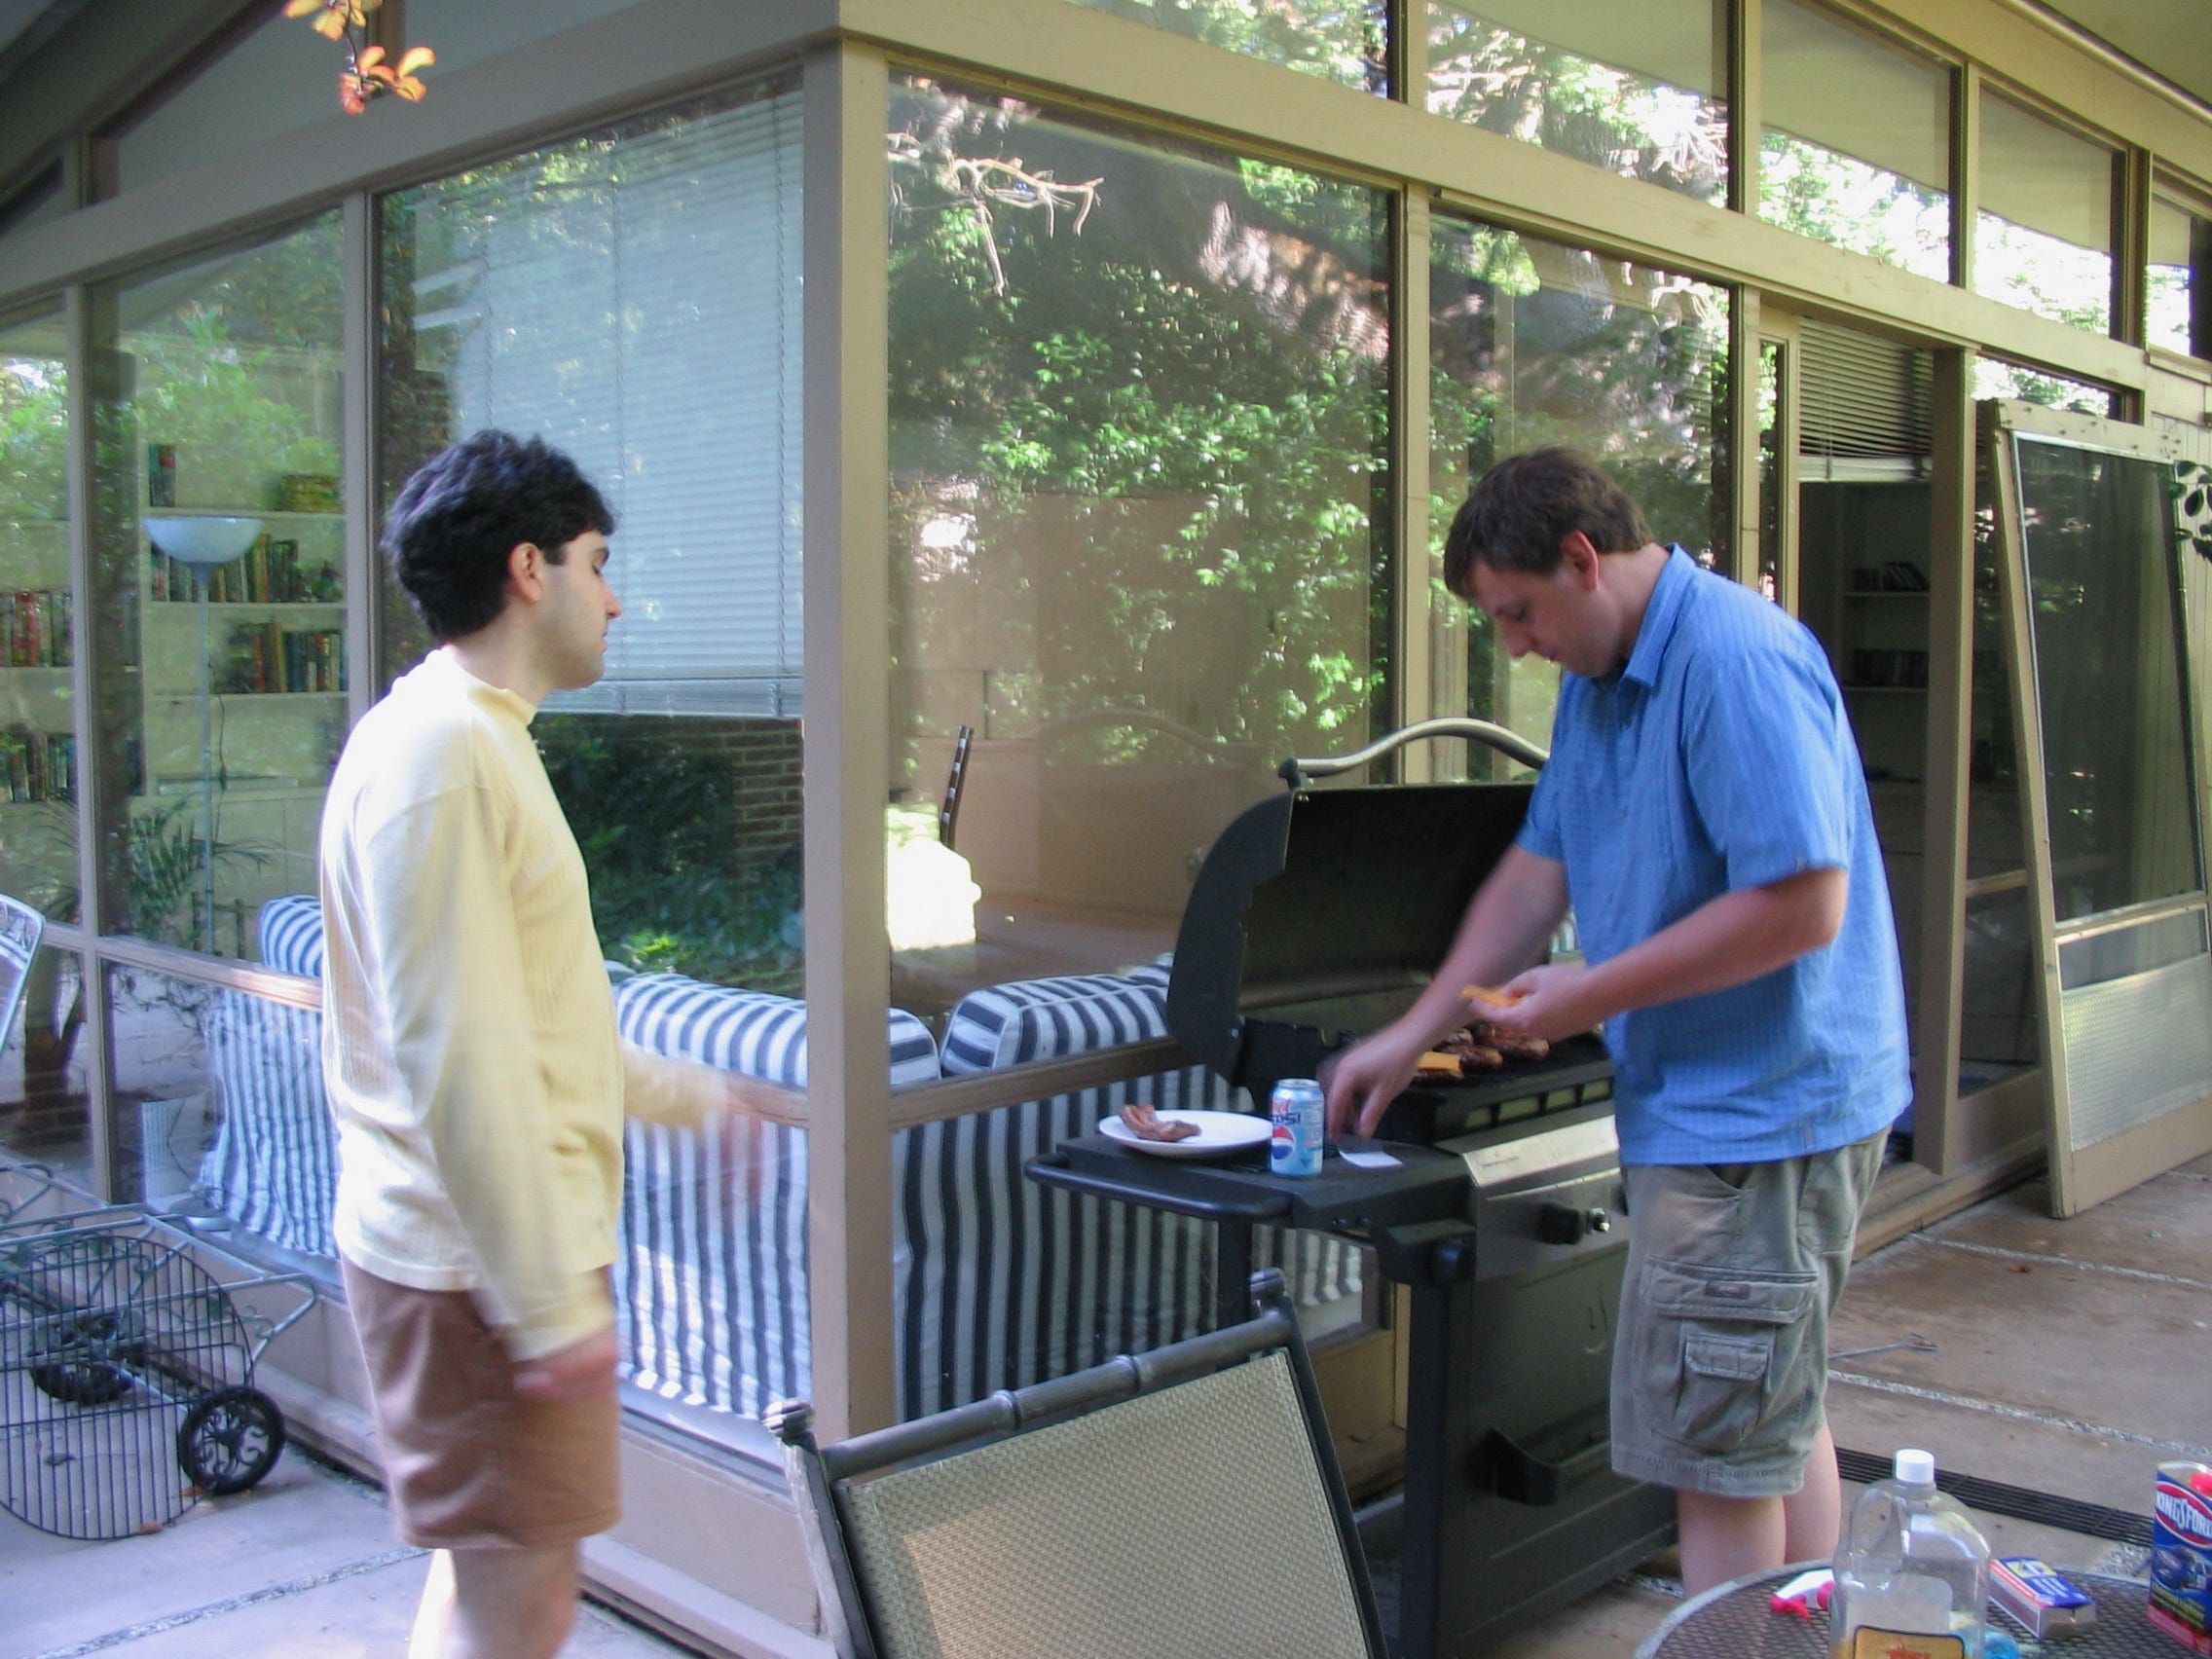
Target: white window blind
x,y
636,301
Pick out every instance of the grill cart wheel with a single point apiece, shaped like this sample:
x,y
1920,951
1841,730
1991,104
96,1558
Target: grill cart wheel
x,y
127,1371
81,1360
230,1440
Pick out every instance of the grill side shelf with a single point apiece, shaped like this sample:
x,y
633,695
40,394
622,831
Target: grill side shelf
x,y
1424,1185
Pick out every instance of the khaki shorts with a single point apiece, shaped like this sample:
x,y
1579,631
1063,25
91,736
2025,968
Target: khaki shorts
x,y
1720,1362
468,1465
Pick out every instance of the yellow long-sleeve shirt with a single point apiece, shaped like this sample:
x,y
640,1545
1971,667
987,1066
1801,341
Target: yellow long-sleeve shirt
x,y
469,1051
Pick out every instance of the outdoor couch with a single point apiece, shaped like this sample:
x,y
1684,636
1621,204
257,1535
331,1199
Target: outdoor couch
x,y
998,1282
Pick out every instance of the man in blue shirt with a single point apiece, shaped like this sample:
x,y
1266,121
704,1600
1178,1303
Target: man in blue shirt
x,y
1705,813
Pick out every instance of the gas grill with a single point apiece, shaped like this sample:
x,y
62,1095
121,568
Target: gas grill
x,y
1317,916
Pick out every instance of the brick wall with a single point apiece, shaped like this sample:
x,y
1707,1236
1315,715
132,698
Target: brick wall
x,y
764,761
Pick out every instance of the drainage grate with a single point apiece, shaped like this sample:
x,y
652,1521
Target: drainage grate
x,y
2020,1503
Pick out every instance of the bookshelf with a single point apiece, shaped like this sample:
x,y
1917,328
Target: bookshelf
x,y
277,699
38,745
37,740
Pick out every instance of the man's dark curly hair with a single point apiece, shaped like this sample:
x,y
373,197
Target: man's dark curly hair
x,y
1523,508
467,507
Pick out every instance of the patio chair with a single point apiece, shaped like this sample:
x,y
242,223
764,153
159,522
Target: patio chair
x,y
1180,1501
19,929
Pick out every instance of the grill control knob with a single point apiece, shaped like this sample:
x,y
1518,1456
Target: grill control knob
x,y
1599,1221
1561,1223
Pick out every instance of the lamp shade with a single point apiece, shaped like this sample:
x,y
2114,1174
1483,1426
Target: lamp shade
x,y
202,539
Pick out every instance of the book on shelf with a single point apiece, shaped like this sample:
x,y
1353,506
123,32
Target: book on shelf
x,y
269,573
37,765
35,627
267,656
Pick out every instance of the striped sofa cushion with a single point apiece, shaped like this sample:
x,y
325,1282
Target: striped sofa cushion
x,y
291,935
1004,1282
273,1168
753,1033
712,1275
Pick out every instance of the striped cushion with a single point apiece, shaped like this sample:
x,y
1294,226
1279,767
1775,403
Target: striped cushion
x,y
1003,1282
273,1166
712,1277
749,1032
291,935
1042,1019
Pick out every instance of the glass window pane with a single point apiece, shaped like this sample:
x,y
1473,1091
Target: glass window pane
x,y
2043,238
1138,523
1994,806
2178,283
712,1301
38,744
1999,1028
1345,40
680,771
1856,147
1638,90
1994,377
218,584
281,77
45,1092
1000,1282
1532,343
1771,372
2100,561
219,1112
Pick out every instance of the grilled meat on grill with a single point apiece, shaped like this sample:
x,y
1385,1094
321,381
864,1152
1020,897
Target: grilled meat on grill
x,y
1515,1045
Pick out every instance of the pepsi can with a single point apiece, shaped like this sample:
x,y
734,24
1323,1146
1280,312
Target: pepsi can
x,y
1295,1110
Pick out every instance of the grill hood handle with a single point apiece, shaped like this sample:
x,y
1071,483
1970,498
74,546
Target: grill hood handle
x,y
1298,771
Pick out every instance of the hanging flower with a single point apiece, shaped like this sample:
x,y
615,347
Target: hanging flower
x,y
366,73
333,18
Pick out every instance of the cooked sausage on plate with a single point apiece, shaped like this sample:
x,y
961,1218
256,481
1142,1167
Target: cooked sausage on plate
x,y
1146,1123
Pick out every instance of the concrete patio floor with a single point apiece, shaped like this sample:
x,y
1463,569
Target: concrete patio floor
x,y
2071,1357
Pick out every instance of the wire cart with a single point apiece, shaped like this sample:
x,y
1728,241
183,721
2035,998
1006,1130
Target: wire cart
x,y
126,1370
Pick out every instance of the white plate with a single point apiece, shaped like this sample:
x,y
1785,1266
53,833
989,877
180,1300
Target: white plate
x,y
1220,1133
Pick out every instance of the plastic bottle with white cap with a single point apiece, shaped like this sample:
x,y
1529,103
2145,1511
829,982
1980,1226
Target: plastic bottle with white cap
x,y
1912,1572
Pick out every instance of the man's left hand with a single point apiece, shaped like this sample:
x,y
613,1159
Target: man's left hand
x,y
1551,1001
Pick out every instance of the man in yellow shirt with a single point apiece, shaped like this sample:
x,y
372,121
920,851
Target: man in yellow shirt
x,y
470,1055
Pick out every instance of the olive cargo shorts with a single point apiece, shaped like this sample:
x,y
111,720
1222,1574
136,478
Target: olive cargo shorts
x,y
1720,1362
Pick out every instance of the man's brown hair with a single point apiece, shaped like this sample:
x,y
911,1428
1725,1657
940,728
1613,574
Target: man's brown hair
x,y
1521,510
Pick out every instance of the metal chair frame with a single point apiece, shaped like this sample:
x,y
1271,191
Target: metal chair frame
x,y
819,1476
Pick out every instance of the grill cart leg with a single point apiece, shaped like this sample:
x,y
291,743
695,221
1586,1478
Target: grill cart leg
x,y
1232,1273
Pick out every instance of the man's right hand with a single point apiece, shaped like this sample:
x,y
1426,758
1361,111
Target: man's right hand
x,y
584,1370
1366,1079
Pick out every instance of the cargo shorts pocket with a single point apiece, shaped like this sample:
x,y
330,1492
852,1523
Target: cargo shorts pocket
x,y
1722,1343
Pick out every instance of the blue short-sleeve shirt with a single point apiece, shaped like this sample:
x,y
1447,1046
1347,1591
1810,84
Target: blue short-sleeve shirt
x,y
1720,758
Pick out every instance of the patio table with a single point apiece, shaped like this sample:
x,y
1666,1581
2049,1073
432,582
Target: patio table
x,y
1735,1621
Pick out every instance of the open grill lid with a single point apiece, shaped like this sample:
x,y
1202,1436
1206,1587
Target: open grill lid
x,y
1320,914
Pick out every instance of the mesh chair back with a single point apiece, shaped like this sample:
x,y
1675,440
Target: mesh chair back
x,y
1191,1521
1184,1500
19,929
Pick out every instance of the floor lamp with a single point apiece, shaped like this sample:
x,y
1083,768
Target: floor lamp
x,y
203,542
